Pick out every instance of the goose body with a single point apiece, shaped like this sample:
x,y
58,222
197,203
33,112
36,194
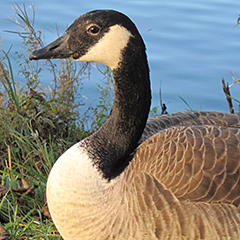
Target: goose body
x,y
169,177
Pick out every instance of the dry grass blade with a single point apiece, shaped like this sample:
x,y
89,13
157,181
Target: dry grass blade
x,y
234,78
3,190
4,235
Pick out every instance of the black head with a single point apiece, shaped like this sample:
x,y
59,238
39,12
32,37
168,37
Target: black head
x,y
97,36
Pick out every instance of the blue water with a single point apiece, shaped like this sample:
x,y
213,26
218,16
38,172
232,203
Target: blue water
x,y
191,45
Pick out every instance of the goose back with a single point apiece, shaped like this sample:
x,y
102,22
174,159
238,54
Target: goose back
x,y
186,180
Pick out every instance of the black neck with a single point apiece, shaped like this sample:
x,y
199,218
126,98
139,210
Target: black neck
x,y
112,146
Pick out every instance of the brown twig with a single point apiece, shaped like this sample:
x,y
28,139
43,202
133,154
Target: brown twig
x,y
228,96
163,105
164,109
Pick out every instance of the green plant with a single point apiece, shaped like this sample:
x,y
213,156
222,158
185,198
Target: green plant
x,y
37,125
105,100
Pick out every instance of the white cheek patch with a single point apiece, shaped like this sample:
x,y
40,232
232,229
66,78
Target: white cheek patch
x,y
108,50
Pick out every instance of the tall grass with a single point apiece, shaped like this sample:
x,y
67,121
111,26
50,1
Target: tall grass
x,y
37,125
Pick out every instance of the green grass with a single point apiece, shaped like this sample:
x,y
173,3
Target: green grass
x,y
37,125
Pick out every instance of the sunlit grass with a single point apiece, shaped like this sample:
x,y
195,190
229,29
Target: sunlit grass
x,y
37,126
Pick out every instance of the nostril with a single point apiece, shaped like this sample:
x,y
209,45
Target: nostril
x,y
54,47
75,56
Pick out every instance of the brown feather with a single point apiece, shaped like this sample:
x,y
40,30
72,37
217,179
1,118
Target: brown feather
x,y
185,178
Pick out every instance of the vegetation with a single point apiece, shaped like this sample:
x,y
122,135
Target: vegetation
x,y
37,125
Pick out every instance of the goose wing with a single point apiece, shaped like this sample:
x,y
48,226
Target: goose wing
x,y
187,181
197,163
157,209
158,123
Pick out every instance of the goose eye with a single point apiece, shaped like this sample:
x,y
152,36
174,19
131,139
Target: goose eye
x,y
93,30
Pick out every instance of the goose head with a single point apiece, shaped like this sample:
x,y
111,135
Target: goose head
x,y
98,36
111,38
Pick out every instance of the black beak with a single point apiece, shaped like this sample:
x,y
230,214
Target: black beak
x,y
57,49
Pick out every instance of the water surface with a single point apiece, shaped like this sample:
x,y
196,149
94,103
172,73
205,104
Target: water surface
x,y
191,45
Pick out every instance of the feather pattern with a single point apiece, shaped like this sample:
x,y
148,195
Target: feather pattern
x,y
186,180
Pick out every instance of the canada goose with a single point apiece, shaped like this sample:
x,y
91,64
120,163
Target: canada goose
x,y
181,182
